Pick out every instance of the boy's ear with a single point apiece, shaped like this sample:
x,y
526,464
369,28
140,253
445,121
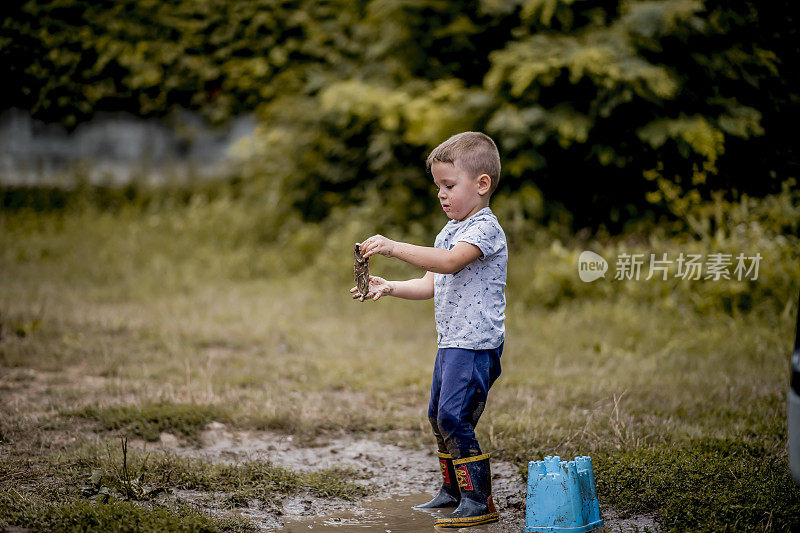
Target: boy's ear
x,y
484,184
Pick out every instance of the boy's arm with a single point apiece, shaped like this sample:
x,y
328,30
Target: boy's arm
x,y
431,259
413,289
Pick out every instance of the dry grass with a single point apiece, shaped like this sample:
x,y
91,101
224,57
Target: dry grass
x,y
624,381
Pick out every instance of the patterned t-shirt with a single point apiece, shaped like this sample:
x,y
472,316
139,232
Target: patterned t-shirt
x,y
471,303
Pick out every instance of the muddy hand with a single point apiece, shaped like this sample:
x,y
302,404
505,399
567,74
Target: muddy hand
x,y
356,295
378,287
377,244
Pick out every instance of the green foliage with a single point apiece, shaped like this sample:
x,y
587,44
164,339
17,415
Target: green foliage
x,y
150,420
583,97
73,58
767,226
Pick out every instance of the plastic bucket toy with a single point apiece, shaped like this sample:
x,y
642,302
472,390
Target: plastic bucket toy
x,y
561,496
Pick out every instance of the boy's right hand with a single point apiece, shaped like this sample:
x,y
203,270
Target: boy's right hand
x,y
377,244
377,287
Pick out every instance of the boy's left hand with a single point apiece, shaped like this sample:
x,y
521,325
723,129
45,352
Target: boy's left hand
x,y
377,244
377,287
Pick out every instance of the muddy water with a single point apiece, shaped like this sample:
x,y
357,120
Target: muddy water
x,y
394,515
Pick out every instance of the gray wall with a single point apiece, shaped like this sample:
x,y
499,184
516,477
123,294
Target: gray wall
x,y
116,148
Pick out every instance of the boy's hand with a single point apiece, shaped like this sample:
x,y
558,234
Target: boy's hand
x,y
377,287
377,244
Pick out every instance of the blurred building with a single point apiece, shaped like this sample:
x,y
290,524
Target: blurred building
x,y
116,149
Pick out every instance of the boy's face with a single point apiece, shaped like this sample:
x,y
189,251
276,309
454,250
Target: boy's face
x,y
460,194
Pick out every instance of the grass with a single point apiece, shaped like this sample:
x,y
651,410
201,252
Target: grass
x,y
114,466
29,511
115,326
150,420
713,484
105,485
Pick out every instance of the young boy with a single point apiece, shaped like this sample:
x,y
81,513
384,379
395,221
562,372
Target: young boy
x,y
466,276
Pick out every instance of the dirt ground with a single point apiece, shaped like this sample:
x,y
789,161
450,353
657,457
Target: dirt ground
x,y
399,477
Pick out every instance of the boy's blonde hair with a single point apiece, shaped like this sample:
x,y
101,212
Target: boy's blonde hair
x,y
475,153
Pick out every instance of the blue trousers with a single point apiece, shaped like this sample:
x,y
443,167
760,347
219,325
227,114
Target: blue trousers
x,y
461,382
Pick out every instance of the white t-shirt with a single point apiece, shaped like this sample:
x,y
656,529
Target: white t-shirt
x,y
471,303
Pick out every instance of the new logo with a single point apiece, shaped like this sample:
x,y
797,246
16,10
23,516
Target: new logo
x,y
591,266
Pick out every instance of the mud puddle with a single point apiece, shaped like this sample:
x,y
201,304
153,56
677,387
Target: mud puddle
x,y
393,515
399,477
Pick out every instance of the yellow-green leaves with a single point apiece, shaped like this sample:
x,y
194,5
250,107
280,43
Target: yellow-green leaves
x,y
424,113
359,92
652,19
696,134
604,56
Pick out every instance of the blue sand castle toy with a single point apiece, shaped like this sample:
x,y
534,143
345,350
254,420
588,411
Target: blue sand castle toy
x,y
561,496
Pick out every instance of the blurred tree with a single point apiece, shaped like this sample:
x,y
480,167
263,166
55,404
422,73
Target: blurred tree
x,y
665,88
608,107
68,59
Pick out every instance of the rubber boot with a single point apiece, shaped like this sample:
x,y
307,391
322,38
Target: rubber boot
x,y
449,495
474,479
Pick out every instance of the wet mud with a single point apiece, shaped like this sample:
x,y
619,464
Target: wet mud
x,y
398,478
395,515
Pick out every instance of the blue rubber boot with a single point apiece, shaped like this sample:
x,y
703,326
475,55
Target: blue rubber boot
x,y
474,479
449,495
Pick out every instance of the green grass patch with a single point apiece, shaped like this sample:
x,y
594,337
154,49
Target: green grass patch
x,y
258,478
703,485
28,511
111,465
102,486
264,478
149,420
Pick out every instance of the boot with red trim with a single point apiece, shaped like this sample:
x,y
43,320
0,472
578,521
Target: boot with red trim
x,y
474,478
448,496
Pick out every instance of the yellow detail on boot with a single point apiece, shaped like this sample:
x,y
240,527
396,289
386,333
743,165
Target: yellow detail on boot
x,y
467,520
470,459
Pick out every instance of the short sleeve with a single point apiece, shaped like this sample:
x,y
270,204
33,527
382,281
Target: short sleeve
x,y
486,234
